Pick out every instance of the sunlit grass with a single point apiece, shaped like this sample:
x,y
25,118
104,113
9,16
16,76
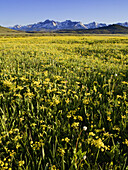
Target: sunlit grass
x,y
64,102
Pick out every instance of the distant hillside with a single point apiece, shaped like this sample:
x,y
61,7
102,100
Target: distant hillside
x,y
111,29
114,29
7,30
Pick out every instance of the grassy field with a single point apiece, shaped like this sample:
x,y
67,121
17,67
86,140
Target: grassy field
x,y
64,103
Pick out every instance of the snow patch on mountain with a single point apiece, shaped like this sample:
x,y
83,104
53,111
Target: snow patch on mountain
x,y
94,25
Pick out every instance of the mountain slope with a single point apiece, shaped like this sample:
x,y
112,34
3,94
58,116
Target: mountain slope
x,y
94,25
125,24
7,30
111,29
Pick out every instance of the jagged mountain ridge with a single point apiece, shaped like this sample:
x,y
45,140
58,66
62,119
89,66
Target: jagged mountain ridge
x,y
55,25
65,25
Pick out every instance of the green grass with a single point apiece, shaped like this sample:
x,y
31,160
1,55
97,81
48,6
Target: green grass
x,y
64,102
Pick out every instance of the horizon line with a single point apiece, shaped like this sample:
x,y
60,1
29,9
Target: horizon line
x,y
64,21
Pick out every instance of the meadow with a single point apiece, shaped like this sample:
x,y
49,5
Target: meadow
x,y
64,103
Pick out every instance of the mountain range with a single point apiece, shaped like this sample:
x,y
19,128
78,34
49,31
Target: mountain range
x,y
49,25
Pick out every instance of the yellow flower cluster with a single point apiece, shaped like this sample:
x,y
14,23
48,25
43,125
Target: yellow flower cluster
x,y
66,139
61,151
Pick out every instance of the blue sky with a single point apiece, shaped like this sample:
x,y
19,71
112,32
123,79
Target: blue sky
x,y
25,12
